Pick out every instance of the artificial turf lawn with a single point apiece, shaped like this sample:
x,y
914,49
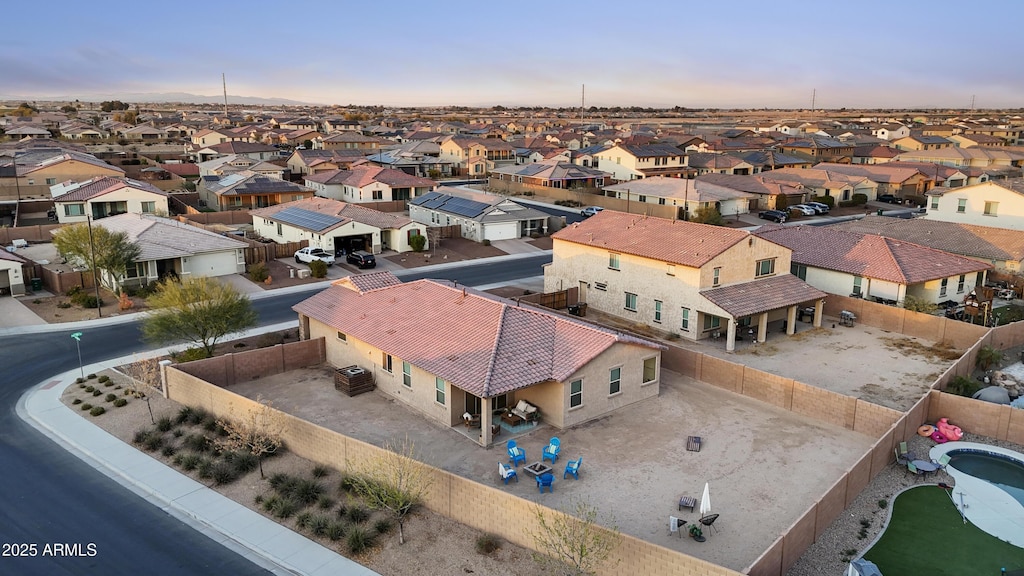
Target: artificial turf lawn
x,y
926,535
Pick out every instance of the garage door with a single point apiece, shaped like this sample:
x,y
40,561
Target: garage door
x,y
501,231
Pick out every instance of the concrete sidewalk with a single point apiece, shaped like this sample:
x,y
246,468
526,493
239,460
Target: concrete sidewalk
x,y
253,536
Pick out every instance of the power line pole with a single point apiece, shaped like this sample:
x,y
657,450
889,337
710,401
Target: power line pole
x,y
95,273
224,80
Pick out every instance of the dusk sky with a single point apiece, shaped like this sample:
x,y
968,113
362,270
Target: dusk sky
x,y
737,53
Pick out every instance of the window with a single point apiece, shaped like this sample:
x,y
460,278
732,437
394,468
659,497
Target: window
x,y
407,374
614,380
630,301
657,311
686,320
650,369
960,284
943,286
857,280
935,203
74,209
575,393
378,194
798,270
342,336
716,276
136,271
439,390
601,286
846,195
51,181
279,229
712,322
385,362
148,207
991,208
765,267
961,205
613,261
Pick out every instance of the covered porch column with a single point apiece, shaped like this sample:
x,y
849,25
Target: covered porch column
x,y
819,308
730,339
485,421
762,327
791,320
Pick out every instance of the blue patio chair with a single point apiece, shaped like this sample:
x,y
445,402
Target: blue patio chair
x,y
507,473
942,461
552,449
548,480
573,467
516,454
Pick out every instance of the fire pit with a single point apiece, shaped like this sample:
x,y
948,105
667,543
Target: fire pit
x,y
537,468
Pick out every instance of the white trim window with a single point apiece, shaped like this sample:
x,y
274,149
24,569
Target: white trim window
x,y
575,394
615,380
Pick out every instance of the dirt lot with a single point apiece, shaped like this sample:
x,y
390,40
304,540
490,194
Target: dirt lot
x,y
49,307
450,250
635,461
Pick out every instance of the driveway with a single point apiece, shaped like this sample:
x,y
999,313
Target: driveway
x,y
635,463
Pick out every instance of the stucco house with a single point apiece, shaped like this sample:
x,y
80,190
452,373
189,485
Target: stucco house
x,y
689,195
556,173
173,248
12,280
334,226
246,190
631,162
493,353
253,150
369,183
476,156
875,267
818,148
823,182
314,161
102,197
480,216
237,163
895,179
998,204
39,168
689,280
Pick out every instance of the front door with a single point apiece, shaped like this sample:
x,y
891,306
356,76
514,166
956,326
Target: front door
x,y
582,296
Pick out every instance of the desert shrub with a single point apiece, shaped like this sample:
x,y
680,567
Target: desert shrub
x,y
487,543
827,200
358,514
197,443
98,410
190,354
205,469
177,433
244,462
418,242
302,520
325,502
307,491
196,416
120,402
962,386
163,424
859,199
320,471
210,423
318,269
336,531
91,302
153,442
81,385
882,503
258,272
86,406
382,526
110,397
178,459
63,305
107,384
97,392
278,480
91,376
103,379
223,473
916,304
358,540
183,414
76,401
168,451
988,357
319,524
269,502
342,511
140,436
79,380
90,389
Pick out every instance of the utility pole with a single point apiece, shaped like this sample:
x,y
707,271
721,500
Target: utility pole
x,y
583,104
814,96
95,273
972,102
224,81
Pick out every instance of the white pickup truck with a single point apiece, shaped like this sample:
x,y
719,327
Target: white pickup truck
x,y
308,255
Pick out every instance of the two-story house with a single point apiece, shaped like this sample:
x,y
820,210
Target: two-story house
x,y
369,183
818,148
476,157
246,190
631,162
999,205
496,353
686,279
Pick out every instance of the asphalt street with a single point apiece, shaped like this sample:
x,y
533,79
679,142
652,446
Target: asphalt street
x,y
51,497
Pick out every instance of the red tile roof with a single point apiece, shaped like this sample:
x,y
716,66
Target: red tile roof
x,y
673,241
105,185
183,170
762,295
868,255
481,343
369,281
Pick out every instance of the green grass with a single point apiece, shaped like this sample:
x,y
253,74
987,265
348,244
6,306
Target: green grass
x,y
927,536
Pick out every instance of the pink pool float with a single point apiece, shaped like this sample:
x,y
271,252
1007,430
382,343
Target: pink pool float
x,y
949,431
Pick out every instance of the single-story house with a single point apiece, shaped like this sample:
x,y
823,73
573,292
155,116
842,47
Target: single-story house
x,y
549,174
689,195
875,267
335,226
12,280
481,216
246,190
492,353
102,197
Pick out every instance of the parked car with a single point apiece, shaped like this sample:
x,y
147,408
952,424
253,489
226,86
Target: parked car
x,y
820,207
889,199
804,209
361,259
590,211
773,215
307,255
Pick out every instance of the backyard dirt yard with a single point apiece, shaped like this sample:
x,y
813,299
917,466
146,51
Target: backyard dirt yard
x,y
449,250
635,462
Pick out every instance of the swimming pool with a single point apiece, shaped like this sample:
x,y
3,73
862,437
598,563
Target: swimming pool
x,y
1005,472
989,487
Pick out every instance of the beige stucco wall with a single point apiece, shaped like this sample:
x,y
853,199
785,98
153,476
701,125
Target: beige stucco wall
x,y
11,277
34,184
677,287
931,291
218,263
595,376
132,197
1009,213
268,229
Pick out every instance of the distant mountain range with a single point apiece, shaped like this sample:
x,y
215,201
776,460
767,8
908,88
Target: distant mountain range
x,y
184,97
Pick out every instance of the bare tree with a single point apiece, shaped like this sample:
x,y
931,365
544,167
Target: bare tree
x,y
259,431
434,238
572,542
145,379
394,480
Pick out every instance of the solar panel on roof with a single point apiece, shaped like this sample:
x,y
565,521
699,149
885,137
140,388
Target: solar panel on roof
x,y
307,219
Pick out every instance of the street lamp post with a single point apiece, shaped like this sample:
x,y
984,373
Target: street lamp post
x,y
78,343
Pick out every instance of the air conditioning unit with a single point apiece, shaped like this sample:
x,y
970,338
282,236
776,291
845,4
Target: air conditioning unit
x,y
353,371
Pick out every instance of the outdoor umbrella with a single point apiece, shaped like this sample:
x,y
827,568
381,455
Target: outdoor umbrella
x,y
705,501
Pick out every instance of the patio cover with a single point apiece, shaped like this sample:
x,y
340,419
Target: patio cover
x,y
762,295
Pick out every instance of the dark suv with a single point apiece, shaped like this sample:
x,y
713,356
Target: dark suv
x,y
773,215
889,199
361,259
